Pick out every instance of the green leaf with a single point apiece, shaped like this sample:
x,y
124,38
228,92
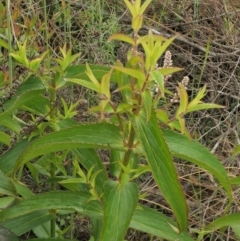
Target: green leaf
x,y
6,186
160,161
158,77
31,88
10,123
235,180
169,71
28,222
115,158
204,106
4,44
119,203
147,103
226,221
121,37
6,201
100,135
84,83
144,6
38,105
5,138
192,151
51,239
79,71
9,158
77,201
138,74
88,158
155,223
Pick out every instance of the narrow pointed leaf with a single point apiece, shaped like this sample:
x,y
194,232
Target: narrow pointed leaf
x,y
5,138
121,37
119,204
169,70
144,6
225,221
77,201
161,163
100,135
155,223
204,106
27,91
192,151
9,158
84,83
28,222
51,239
138,74
88,158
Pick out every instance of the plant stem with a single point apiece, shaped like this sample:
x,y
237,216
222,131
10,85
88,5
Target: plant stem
x,y
52,116
9,43
130,146
53,188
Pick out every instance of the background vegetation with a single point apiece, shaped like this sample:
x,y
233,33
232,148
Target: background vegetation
x,y
207,46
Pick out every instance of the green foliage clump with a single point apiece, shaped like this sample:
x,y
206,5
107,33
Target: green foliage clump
x,y
59,151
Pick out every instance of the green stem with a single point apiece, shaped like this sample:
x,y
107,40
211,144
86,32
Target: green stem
x,y
9,43
127,154
52,115
53,188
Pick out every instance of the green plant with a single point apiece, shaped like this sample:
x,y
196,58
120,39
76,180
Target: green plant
x,y
50,143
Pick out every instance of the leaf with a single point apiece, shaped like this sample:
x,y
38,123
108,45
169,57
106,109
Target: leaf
x,y
138,74
10,123
105,85
183,98
84,83
6,186
88,158
31,88
115,158
5,138
192,151
201,93
77,201
160,161
130,7
28,222
147,103
225,221
137,22
121,37
79,71
4,44
40,105
235,180
92,77
51,239
158,77
9,158
83,136
203,107
155,223
144,6
169,70
119,202
6,201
